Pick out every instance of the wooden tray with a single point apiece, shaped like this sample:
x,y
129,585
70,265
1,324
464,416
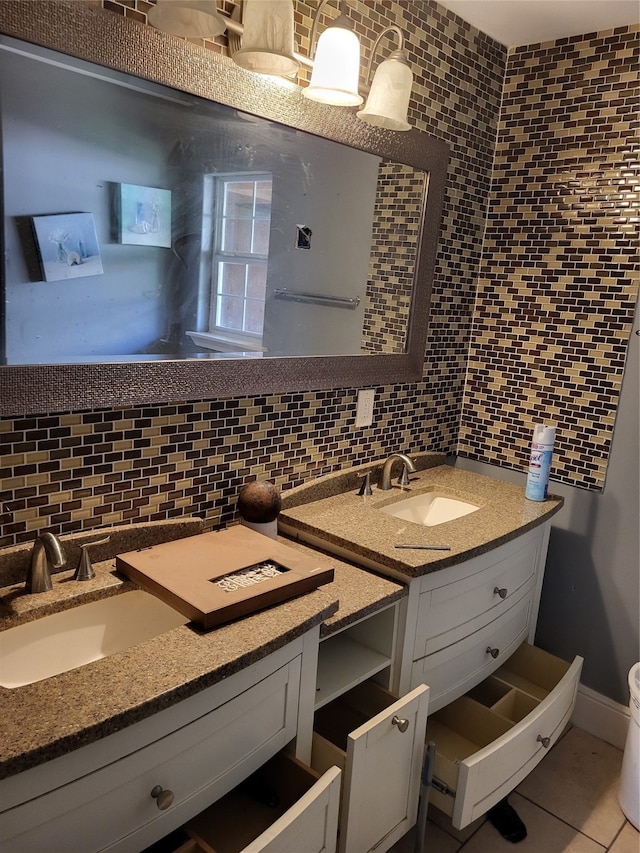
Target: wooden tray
x,y
214,578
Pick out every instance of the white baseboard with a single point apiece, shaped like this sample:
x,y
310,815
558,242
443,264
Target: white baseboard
x,y
601,716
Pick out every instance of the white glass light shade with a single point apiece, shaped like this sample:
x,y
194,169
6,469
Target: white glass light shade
x,y
388,100
336,68
187,18
267,37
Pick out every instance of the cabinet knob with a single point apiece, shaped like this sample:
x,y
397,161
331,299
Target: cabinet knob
x,y
545,741
493,652
501,592
400,722
162,797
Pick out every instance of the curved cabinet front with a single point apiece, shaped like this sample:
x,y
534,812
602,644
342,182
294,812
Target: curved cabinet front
x,y
452,670
490,739
111,807
466,619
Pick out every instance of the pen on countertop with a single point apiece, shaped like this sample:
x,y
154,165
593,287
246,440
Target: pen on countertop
x,y
427,547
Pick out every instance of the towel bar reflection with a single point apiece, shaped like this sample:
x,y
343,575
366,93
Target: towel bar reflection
x,y
316,298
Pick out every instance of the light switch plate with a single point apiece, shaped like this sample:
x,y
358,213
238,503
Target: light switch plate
x,y
364,409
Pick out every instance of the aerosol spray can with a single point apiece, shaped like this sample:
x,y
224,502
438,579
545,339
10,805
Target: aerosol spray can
x,y
540,462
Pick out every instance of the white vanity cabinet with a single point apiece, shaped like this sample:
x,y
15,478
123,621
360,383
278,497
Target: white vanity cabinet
x,y
469,631
128,790
366,758
461,623
456,643
465,620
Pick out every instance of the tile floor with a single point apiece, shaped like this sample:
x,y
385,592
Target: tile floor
x,y
569,804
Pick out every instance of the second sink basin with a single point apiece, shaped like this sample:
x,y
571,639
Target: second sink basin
x,y
429,509
63,641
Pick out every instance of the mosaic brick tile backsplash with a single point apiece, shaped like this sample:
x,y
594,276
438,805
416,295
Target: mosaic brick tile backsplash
x,y
88,469
558,281
397,218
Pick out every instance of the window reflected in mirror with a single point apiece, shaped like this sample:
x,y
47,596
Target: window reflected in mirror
x,y
236,218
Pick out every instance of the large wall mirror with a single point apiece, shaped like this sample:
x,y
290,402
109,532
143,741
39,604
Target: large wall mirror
x,y
177,228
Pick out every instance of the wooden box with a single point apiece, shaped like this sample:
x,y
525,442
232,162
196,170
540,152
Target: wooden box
x,y
214,578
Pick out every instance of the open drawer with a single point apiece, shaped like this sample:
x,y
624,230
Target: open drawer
x,y
378,741
284,807
490,739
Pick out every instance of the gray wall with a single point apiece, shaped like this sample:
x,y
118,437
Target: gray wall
x,y
334,196
64,152
591,595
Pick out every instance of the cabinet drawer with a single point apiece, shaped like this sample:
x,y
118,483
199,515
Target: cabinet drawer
x,y
453,670
490,739
377,741
198,762
285,807
489,586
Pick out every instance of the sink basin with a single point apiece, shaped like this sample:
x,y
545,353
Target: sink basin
x,y
86,633
429,509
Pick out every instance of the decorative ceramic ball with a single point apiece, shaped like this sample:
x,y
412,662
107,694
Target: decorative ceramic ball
x,y
259,502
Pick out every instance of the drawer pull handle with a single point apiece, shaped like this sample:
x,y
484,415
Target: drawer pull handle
x,y
400,722
493,652
163,798
545,741
501,592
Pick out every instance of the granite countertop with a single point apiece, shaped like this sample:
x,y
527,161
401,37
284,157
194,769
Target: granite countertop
x,y
49,718
330,514
359,593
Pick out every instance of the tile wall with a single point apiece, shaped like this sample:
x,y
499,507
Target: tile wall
x,y
81,470
397,217
559,276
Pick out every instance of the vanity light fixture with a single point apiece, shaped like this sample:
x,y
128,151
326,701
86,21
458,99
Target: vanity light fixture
x,y
336,66
188,18
264,43
388,101
267,38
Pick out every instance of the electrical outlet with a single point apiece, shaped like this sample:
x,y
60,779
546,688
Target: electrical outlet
x,y
364,409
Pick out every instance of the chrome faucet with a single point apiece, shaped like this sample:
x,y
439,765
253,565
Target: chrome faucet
x,y
385,481
47,553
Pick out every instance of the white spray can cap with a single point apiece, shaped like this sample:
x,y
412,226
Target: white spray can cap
x,y
543,434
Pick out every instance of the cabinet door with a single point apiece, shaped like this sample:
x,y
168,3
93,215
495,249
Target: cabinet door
x,y
310,825
242,821
382,774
